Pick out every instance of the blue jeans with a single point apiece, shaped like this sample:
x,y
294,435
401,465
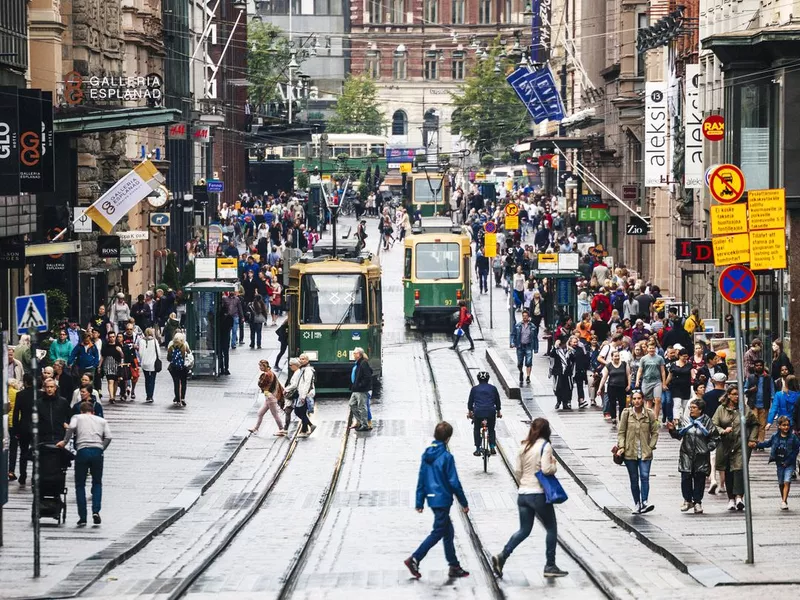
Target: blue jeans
x,y
524,356
535,339
149,383
483,277
234,331
667,406
369,409
639,470
88,460
255,334
442,530
531,506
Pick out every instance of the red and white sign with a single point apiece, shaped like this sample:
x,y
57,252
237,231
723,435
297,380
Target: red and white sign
x,y
176,131
714,128
202,133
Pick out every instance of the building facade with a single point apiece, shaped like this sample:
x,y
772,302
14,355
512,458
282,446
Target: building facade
x,y
419,54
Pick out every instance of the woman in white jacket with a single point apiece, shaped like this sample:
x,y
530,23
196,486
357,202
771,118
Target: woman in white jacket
x,y
300,390
148,354
535,455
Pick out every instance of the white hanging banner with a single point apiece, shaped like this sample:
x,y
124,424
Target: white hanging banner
x,y
693,135
656,135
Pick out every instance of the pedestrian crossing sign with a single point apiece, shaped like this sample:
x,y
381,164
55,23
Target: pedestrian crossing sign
x,y
31,313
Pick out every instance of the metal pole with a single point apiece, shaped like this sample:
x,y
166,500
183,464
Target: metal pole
x,y
35,442
491,293
334,213
748,514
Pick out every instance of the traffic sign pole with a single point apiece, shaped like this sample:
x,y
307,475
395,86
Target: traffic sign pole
x,y
748,515
35,442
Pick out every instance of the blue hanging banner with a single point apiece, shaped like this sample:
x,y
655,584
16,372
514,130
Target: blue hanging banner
x,y
540,31
520,82
538,92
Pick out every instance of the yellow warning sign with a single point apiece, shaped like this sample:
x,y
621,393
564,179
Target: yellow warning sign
x,y
405,167
767,209
727,219
768,249
480,176
726,184
512,223
548,258
490,245
512,210
731,249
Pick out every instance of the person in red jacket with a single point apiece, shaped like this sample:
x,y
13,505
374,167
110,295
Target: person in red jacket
x,y
601,304
464,321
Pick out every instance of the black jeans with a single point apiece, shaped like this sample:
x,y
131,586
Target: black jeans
x,y
12,454
255,334
223,358
283,348
457,338
476,430
616,397
483,277
693,487
302,414
564,390
24,443
179,379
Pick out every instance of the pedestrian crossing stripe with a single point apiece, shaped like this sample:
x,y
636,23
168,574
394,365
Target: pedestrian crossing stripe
x,y
31,313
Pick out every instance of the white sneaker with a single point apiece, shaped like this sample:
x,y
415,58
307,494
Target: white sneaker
x,y
731,504
784,506
698,509
636,509
739,503
686,506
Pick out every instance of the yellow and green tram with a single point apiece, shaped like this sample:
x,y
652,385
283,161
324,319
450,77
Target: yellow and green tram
x,y
436,275
430,193
335,305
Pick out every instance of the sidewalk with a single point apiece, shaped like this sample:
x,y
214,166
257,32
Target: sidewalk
x,y
161,460
711,547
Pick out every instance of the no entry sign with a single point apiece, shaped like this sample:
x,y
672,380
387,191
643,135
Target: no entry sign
x,y
737,284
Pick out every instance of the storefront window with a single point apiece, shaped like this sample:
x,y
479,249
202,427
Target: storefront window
x,y
754,134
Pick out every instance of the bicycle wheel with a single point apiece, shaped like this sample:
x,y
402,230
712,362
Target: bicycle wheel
x,y
485,453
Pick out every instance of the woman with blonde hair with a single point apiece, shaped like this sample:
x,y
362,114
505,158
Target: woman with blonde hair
x,y
181,361
273,398
149,355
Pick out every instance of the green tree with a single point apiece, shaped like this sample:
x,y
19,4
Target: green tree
x,y
358,109
487,112
171,277
268,57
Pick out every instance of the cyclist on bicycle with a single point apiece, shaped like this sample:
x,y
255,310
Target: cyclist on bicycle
x,y
484,404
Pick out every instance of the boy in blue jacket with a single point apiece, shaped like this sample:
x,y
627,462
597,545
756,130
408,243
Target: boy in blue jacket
x,y
438,482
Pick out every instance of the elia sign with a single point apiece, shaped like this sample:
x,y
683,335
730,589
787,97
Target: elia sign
x,y
79,89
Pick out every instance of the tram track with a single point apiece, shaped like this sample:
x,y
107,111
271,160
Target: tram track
x,y
475,541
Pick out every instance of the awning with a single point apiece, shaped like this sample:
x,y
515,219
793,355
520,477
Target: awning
x,y
98,121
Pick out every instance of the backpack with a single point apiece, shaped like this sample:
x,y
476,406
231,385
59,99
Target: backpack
x,y
469,319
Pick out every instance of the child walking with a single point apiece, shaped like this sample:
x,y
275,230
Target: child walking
x,y
438,482
784,446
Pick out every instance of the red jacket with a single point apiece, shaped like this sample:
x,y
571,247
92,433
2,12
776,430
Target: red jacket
x,y
462,318
601,304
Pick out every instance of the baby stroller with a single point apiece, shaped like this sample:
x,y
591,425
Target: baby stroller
x,y
53,465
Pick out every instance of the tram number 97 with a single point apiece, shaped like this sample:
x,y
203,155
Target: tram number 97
x,y
448,302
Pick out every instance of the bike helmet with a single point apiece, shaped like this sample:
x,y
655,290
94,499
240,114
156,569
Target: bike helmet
x,y
483,376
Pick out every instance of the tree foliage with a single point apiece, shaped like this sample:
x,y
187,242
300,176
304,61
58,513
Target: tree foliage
x,y
268,57
358,109
486,111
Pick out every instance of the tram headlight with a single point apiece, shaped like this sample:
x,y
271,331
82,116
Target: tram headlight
x,y
458,294
313,355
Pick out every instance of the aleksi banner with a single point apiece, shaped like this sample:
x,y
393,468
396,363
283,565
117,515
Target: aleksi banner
x,y
693,135
9,142
656,134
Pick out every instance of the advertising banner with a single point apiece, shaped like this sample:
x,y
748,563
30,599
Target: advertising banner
x,y
693,131
29,128
656,134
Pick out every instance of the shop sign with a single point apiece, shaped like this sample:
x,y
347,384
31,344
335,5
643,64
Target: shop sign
x,y
683,248
655,134
80,89
693,138
702,252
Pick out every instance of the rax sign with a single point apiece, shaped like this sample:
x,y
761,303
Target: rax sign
x,y
714,128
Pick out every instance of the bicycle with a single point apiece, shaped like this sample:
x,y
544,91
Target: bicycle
x,y
486,451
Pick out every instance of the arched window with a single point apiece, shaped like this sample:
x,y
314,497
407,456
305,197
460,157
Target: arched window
x,y
399,62
399,123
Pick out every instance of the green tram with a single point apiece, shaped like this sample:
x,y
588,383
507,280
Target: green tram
x,y
430,193
335,305
436,273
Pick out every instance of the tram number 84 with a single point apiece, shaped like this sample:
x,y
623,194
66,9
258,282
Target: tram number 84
x,y
342,354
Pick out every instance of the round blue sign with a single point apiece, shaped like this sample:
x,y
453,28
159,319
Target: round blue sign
x,y
737,284
490,227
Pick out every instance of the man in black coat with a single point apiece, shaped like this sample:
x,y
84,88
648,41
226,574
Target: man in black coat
x,y
361,385
54,414
23,427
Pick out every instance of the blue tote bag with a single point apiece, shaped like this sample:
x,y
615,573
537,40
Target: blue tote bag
x,y
553,492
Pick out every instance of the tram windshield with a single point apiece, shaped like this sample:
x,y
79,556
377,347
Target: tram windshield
x,y
438,261
333,299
